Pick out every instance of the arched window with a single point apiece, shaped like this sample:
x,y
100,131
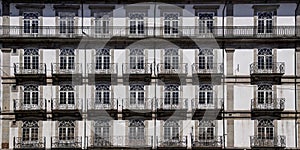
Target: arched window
x,y
206,130
171,95
206,94
30,130
171,23
137,59
31,95
265,22
171,59
265,129
136,131
265,59
66,130
67,58
102,58
31,58
206,59
171,130
67,94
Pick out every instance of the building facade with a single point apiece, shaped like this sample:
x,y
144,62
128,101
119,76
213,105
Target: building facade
x,y
149,75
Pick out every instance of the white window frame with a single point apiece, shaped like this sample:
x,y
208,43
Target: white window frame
x,y
31,58
171,23
137,96
66,130
66,23
102,59
30,131
31,22
67,59
206,22
137,23
102,23
265,22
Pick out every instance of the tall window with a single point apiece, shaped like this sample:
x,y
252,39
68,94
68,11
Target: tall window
x,y
171,59
265,22
206,59
264,95
137,95
66,95
31,22
171,23
66,130
66,22
102,94
102,58
137,58
206,131
31,95
101,23
265,129
30,131
206,21
31,58
136,22
136,132
67,58
102,129
171,95
206,95
265,59
171,130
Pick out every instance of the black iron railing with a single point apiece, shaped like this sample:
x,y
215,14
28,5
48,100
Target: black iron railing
x,y
138,68
207,103
30,68
102,104
71,142
120,141
216,141
172,141
172,103
172,68
66,104
267,68
137,103
205,68
66,68
31,104
110,68
268,104
275,141
21,143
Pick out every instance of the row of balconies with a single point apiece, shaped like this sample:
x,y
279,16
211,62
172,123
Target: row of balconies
x,y
164,32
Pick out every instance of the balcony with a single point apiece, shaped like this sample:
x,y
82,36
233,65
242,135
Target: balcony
x,y
271,73
31,72
66,109
98,108
172,73
276,142
120,142
104,73
66,73
267,107
71,143
207,108
172,143
32,111
212,143
207,73
21,144
133,73
137,108
175,108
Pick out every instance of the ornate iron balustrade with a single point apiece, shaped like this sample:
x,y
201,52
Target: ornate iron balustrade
x,y
111,68
101,104
20,105
217,68
21,143
273,68
172,141
75,142
216,141
29,68
144,68
67,104
137,104
172,103
276,141
215,103
168,68
120,141
66,68
268,104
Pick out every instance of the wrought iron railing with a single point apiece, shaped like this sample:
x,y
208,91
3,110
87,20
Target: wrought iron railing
x,y
217,68
102,104
21,104
110,68
216,141
66,68
172,141
214,103
72,142
167,68
137,104
120,141
268,104
143,68
276,68
30,68
66,104
21,143
275,141
172,103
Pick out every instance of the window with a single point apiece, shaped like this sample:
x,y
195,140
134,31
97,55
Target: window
x,y
171,130
206,59
265,22
67,59
137,95
206,130
136,22
101,23
31,58
30,131
206,94
102,59
264,95
171,59
31,22
102,94
31,95
265,129
66,22
171,23
102,130
137,58
66,130
171,95
206,22
265,59
66,95
136,132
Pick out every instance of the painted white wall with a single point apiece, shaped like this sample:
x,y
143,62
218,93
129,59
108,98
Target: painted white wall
x,y
242,60
287,129
242,97
243,129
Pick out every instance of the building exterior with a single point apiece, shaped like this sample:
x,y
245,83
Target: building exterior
x,y
150,75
